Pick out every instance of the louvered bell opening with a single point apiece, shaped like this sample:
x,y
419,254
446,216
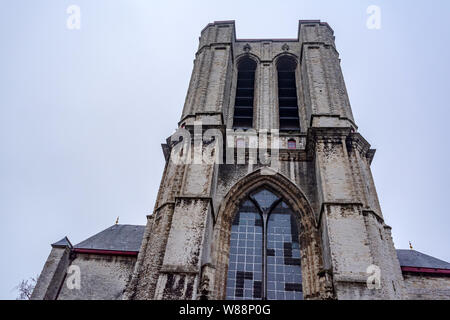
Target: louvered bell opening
x,y
287,95
243,105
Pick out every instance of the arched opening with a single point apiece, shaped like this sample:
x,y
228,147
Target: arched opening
x,y
287,94
240,205
292,144
264,259
245,87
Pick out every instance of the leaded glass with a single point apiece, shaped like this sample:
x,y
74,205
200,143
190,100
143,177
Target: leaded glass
x,y
284,277
245,267
265,199
275,275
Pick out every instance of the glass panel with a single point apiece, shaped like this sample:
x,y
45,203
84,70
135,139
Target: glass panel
x,y
244,281
284,277
265,199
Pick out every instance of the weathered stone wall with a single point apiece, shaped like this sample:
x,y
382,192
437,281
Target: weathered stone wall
x,y
426,287
326,180
152,251
209,88
326,97
103,277
329,169
353,231
299,173
52,275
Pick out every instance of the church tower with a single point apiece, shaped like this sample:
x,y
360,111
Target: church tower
x,y
267,191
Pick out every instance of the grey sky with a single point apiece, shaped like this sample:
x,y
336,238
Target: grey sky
x,y
83,112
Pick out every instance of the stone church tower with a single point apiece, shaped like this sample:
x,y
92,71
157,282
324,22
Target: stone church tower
x,y
267,190
267,193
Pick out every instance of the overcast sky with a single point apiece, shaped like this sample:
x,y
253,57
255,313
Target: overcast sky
x,y
83,112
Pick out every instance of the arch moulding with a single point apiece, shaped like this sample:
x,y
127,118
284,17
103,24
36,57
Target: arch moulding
x,y
316,283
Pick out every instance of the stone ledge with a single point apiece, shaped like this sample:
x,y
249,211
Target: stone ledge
x,y
335,203
350,277
211,45
375,214
320,23
179,269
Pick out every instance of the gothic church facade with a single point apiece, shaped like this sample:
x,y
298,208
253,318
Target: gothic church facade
x,y
267,192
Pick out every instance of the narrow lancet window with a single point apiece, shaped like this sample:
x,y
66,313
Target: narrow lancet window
x,y
287,95
243,105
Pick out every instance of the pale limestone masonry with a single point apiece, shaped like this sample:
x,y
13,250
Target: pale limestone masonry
x,y
325,179
53,273
96,269
330,170
103,277
425,287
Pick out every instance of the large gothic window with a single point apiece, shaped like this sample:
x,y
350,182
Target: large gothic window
x,y
287,94
264,261
243,105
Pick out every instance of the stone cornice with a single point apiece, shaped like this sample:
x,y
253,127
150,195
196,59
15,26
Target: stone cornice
x,y
374,214
315,115
370,155
205,113
357,141
201,198
212,45
179,269
335,203
328,134
161,206
353,140
216,23
306,22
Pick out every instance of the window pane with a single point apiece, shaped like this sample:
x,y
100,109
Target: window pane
x,y
283,256
265,199
244,281
292,144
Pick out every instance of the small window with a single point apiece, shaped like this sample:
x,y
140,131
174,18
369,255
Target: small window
x,y
287,94
265,257
243,104
292,144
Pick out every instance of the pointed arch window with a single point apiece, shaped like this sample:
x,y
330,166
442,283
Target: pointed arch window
x,y
243,104
287,94
264,260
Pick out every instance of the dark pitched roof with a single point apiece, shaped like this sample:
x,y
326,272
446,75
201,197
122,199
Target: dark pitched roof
x,y
412,258
64,242
119,237
123,237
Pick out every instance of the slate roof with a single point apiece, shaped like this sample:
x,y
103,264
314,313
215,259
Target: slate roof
x,y
119,237
125,237
412,258
64,242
